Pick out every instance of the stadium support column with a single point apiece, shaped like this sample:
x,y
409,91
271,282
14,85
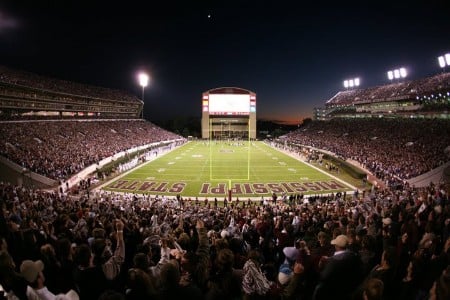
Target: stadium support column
x,y
252,125
205,116
205,125
252,117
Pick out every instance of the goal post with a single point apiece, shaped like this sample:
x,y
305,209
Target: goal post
x,y
229,157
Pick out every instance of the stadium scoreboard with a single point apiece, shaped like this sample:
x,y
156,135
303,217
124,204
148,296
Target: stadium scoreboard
x,y
228,113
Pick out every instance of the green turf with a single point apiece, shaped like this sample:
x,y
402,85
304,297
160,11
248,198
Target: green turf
x,y
250,169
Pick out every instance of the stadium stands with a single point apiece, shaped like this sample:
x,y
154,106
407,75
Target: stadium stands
x,y
25,95
391,241
400,237
59,149
390,148
403,98
396,91
31,80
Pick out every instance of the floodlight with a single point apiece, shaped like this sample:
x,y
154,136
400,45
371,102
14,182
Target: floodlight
x,y
444,60
403,72
441,61
390,75
350,83
143,79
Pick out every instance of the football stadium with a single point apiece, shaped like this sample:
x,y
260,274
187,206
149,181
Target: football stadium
x,y
100,203
83,172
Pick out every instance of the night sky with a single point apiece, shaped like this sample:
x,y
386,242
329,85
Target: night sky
x,y
293,54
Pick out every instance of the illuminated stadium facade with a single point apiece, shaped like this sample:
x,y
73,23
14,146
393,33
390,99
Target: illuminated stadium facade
x,y
27,94
229,112
424,98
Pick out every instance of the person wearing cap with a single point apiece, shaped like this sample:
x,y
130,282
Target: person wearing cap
x,y
341,274
36,289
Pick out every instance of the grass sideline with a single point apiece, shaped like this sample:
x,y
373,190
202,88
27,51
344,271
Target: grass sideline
x,y
211,169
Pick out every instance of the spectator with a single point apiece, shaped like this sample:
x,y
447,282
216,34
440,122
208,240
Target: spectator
x,y
13,283
373,290
225,283
341,274
36,289
255,283
171,287
441,287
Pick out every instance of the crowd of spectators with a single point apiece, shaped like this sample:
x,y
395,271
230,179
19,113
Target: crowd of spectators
x,y
406,90
382,244
59,149
27,79
389,148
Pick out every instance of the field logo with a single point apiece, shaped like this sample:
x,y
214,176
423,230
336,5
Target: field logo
x,y
221,188
268,188
149,186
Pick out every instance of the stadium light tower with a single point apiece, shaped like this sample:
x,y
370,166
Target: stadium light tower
x,y
143,81
397,73
351,83
444,61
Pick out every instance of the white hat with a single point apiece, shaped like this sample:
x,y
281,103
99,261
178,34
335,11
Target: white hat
x,y
31,269
340,241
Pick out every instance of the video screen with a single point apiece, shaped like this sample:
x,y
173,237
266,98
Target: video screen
x,y
229,104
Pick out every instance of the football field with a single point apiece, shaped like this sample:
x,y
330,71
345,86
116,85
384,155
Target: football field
x,y
212,169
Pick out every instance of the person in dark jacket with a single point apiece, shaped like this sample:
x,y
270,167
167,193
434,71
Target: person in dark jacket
x,y
341,274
